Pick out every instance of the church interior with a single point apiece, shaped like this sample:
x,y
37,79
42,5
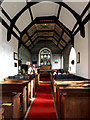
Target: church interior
x,y
44,60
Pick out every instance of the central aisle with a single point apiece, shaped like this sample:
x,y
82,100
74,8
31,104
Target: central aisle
x,y
42,107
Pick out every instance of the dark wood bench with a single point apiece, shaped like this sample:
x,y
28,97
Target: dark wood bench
x,y
64,83
11,105
12,89
73,102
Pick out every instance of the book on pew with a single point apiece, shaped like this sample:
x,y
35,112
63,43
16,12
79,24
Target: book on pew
x,y
7,104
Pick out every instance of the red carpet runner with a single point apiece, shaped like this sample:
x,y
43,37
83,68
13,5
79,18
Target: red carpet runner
x,y
45,79
42,107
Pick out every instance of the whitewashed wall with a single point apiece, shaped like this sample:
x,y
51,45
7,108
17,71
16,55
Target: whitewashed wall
x,y
56,57
65,54
81,45
24,54
35,57
7,50
89,49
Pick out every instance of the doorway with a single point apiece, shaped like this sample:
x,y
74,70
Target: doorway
x,y
72,61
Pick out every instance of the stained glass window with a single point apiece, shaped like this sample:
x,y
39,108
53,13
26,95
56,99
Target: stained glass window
x,y
45,57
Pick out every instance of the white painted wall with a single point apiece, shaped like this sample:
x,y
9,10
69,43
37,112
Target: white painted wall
x,y
35,58
56,57
24,54
7,50
89,49
81,45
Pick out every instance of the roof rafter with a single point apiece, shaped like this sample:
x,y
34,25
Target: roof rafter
x,y
16,17
76,15
43,37
82,14
47,20
7,27
29,10
87,18
29,37
44,41
61,37
8,17
59,9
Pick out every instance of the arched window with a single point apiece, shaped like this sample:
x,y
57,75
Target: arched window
x,y
45,57
72,61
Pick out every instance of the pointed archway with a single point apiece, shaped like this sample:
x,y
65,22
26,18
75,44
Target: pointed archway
x,y
72,61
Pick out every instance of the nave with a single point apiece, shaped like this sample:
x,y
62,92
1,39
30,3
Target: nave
x,y
45,41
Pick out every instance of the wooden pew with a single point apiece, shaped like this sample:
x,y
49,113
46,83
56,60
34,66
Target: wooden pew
x,y
15,88
11,105
27,88
64,83
1,113
30,86
73,102
36,82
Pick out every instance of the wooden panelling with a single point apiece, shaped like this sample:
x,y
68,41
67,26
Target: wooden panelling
x,y
19,93
73,104
13,110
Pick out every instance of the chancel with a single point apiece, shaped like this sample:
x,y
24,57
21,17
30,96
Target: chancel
x,y
44,60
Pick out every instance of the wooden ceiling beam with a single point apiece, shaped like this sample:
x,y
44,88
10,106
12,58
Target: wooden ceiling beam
x,y
78,18
37,21
76,15
7,27
86,9
65,29
29,10
87,18
45,42
29,38
74,27
45,31
81,16
8,17
59,10
60,37
16,17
